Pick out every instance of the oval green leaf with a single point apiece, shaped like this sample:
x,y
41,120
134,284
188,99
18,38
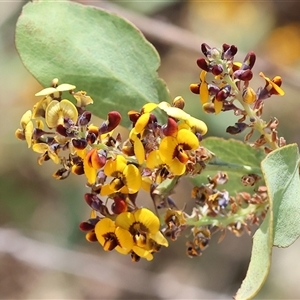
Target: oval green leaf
x,y
260,262
281,172
97,51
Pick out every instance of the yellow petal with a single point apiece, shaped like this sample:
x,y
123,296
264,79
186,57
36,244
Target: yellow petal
x,y
153,159
218,106
103,227
148,219
177,113
46,91
106,190
139,151
176,167
26,118
159,238
142,253
141,123
65,87
121,163
125,239
125,220
40,147
204,95
147,108
89,172
28,133
187,139
197,125
133,178
146,184
167,148
69,109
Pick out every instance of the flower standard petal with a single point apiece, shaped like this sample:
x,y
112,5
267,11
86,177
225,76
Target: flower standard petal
x,y
148,219
187,139
103,227
125,220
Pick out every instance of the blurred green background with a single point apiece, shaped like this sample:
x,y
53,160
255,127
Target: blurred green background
x,y
43,254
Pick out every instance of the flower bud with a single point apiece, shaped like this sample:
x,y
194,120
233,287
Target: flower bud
x,y
217,70
179,102
203,64
249,95
79,144
171,128
195,88
237,128
205,49
119,205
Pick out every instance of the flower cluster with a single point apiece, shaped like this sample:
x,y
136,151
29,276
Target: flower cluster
x,y
225,86
163,145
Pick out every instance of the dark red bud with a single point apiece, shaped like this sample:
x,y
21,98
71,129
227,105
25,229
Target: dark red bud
x,y
249,61
237,128
171,128
244,75
93,201
86,226
85,118
79,143
217,70
202,64
114,119
225,47
205,49
91,137
119,205
133,116
61,130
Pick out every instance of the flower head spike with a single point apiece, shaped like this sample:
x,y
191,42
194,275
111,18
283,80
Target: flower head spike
x,y
172,150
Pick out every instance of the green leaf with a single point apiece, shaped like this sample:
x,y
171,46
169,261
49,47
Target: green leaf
x,y
281,172
97,51
233,157
260,262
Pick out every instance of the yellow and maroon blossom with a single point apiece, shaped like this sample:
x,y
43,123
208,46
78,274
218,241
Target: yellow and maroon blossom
x,y
174,150
272,87
143,226
111,236
126,177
